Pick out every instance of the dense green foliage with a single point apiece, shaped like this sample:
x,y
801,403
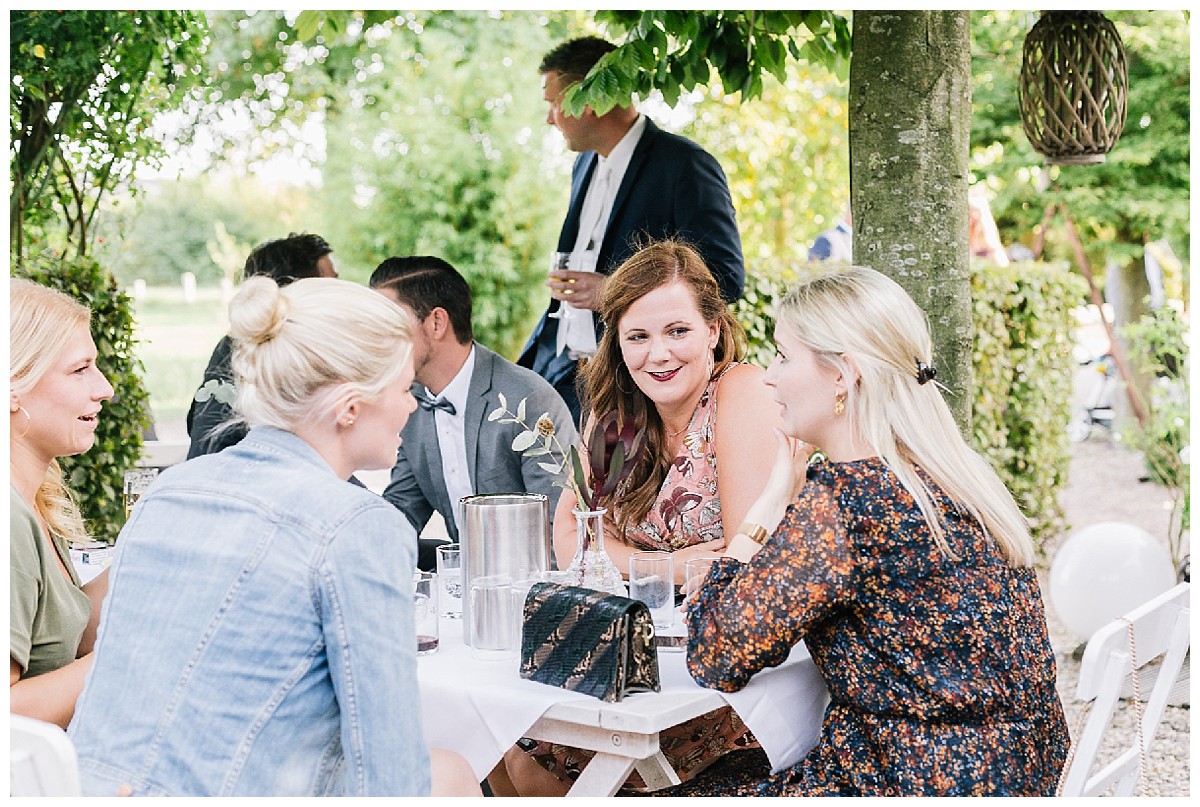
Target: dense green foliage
x,y
676,51
84,87
96,477
442,153
1022,367
434,139
1159,346
787,158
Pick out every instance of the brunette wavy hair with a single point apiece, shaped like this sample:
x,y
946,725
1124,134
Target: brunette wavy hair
x,y
606,380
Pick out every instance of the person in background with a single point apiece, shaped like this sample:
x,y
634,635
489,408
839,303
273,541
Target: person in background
x,y
450,448
631,182
283,260
983,236
670,357
258,636
834,244
55,396
901,561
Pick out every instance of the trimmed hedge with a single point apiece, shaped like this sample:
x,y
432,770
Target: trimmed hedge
x,y
96,477
1023,374
1023,371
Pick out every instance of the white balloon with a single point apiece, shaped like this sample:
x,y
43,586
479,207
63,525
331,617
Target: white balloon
x,y
1105,570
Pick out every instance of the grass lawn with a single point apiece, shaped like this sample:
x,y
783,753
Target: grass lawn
x,y
175,341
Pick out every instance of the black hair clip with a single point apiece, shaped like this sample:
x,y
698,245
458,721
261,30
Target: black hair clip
x,y
925,372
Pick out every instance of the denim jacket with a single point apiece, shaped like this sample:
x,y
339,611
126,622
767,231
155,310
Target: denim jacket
x,y
257,638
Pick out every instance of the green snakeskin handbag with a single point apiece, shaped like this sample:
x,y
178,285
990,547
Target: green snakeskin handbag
x,y
588,641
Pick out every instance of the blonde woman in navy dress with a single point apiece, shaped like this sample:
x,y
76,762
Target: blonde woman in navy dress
x,y
902,562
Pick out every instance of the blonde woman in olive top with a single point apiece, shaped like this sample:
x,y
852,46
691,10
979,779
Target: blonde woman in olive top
x,y
55,397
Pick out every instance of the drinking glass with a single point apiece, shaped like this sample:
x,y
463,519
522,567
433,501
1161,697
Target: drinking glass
x,y
559,261
491,617
695,570
520,593
652,580
135,485
426,611
449,572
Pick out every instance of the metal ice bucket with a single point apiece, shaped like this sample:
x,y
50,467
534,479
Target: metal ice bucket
x,y
502,534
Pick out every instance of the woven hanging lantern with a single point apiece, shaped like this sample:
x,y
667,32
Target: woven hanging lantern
x,y
1074,87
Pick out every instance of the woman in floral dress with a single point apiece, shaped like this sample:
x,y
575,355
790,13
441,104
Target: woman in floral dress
x,y
903,564
670,358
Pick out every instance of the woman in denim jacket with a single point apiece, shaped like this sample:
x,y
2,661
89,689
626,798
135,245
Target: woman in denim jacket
x,y
258,637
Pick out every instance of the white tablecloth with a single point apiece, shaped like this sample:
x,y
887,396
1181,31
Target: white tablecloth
x,y
481,708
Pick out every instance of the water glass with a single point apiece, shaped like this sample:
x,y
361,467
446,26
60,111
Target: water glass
x,y
695,570
520,591
136,482
449,572
491,622
559,261
652,580
426,611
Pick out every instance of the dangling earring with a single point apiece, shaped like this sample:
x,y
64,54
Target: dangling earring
x,y
617,379
28,421
839,404
712,363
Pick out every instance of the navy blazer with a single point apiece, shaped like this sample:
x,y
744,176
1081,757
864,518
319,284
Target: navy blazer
x,y
672,187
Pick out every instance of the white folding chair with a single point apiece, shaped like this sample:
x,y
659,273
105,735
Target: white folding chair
x,y
42,759
1161,628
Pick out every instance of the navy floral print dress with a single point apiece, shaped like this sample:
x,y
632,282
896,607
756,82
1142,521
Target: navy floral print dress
x,y
940,671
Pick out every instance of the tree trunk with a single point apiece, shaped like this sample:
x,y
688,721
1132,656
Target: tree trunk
x,y
910,126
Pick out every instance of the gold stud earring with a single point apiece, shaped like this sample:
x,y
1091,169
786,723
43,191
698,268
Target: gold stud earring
x,y
839,404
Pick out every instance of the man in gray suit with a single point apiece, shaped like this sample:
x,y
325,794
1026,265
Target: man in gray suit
x,y
449,448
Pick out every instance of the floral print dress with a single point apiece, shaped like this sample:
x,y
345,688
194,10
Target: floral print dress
x,y
687,512
940,671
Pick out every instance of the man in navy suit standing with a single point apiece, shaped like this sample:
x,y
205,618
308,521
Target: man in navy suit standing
x,y
632,183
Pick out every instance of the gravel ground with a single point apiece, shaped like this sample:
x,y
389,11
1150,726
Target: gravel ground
x,y
1104,486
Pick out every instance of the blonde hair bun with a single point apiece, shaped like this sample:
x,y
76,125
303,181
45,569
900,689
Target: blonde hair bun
x,y
258,311
297,348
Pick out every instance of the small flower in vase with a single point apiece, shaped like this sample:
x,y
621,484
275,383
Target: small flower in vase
x,y
612,449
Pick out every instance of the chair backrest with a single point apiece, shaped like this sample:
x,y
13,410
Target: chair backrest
x,y
42,759
1161,629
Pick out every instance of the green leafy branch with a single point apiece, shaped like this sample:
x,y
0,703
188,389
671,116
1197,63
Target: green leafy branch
x,y
613,449
538,440
676,51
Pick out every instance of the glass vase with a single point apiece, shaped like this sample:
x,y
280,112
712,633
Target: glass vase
x,y
592,567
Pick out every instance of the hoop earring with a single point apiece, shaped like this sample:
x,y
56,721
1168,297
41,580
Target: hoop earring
x,y
839,404
28,422
617,380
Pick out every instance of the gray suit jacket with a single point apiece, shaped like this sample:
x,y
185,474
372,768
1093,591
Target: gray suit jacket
x,y
418,486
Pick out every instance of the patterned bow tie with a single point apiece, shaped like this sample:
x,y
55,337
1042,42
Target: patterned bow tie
x,y
428,402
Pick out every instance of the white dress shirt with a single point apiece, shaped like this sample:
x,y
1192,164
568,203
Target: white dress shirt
x,y
576,328
451,435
